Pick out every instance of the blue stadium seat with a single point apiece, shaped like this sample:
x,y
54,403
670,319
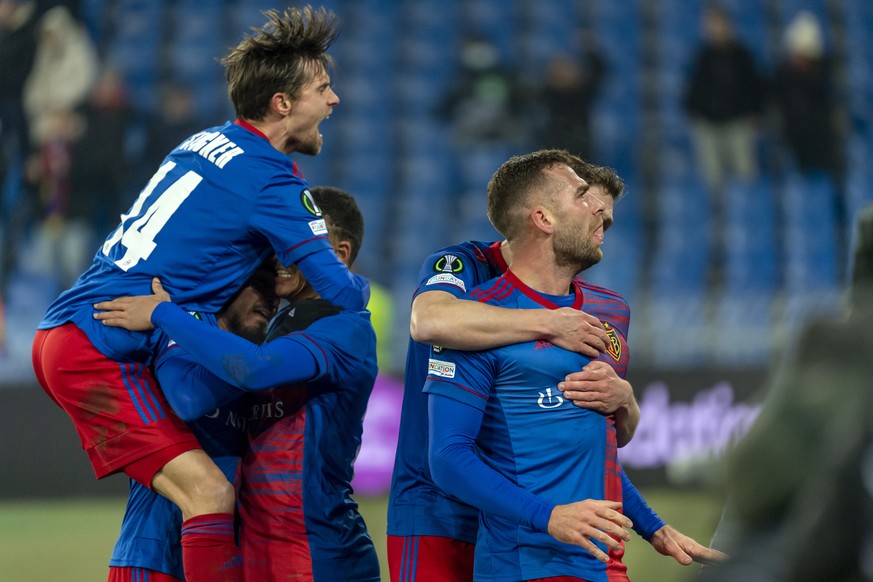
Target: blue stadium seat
x,y
477,163
685,316
743,329
750,20
135,49
859,178
622,259
752,262
495,20
549,29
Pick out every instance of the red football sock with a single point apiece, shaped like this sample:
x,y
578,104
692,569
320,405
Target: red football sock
x,y
209,551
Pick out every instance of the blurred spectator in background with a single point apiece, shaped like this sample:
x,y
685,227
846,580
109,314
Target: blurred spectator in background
x,y
723,97
484,105
17,51
175,120
100,166
60,239
64,71
483,110
569,91
804,100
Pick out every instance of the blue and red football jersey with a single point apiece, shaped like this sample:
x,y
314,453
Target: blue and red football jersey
x,y
221,202
297,515
532,437
416,505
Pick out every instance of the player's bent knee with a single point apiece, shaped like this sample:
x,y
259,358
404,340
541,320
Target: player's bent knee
x,y
194,483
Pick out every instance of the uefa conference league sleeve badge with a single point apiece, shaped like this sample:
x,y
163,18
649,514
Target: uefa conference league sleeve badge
x,y
446,268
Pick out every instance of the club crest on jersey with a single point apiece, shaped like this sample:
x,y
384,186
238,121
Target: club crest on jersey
x,y
448,264
614,347
440,368
308,201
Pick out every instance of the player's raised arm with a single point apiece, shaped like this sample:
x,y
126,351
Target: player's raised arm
x,y
440,318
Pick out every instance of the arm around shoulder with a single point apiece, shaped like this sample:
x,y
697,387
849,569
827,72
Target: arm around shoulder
x,y
440,318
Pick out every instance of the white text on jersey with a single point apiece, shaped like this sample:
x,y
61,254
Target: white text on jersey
x,y
213,146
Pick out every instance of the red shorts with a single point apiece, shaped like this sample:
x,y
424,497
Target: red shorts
x,y
138,575
123,419
429,559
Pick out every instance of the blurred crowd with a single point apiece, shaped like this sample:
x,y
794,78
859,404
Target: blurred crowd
x,y
75,150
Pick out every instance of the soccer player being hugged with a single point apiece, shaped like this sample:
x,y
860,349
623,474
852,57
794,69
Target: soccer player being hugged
x,y
432,533
221,202
297,515
149,544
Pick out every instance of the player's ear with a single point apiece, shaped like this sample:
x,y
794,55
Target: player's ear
x,y
542,219
281,103
343,250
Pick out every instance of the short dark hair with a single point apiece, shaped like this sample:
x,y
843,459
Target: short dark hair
x,y
342,215
513,181
281,56
601,175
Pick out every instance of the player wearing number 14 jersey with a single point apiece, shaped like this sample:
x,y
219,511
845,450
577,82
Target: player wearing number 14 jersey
x,y
221,202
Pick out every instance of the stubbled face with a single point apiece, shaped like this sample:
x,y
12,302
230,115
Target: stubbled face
x,y
313,105
580,222
251,310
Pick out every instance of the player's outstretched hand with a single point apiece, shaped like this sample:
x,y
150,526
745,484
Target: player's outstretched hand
x,y
133,313
597,387
670,542
577,331
581,522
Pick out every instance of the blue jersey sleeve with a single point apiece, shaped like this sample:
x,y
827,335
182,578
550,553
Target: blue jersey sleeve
x,y
458,470
464,376
334,347
191,389
452,269
288,200
287,217
646,521
332,280
343,346
234,359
